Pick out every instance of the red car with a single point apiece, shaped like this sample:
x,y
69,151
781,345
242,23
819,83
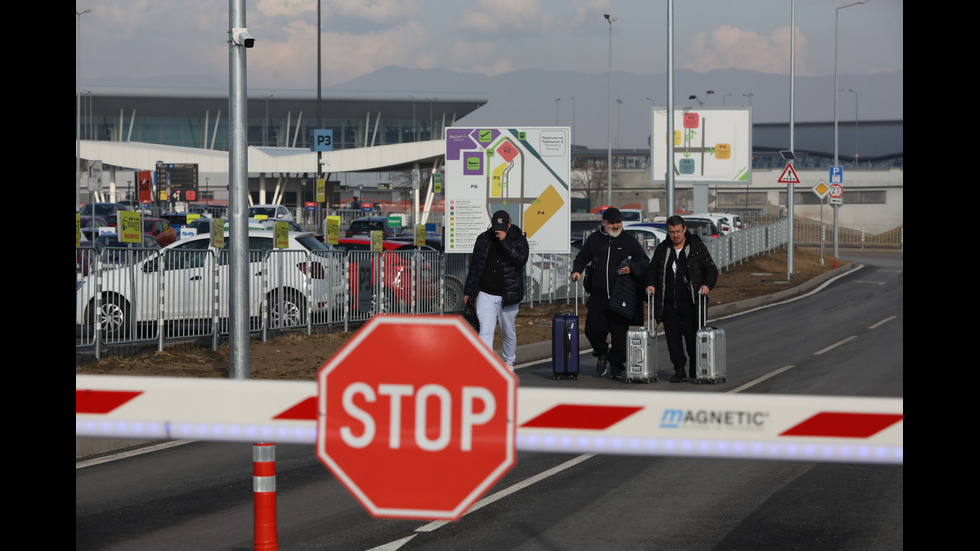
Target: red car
x,y
397,274
158,228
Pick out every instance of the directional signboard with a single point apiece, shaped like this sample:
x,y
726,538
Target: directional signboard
x,y
416,417
524,171
710,145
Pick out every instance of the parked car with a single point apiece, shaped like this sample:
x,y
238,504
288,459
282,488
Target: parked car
x,y
647,233
724,223
160,230
129,294
367,224
271,212
397,273
111,250
89,223
102,209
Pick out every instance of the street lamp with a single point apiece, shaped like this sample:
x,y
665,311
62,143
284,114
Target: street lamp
x,y
78,112
619,105
855,123
836,87
611,20
265,123
749,95
573,120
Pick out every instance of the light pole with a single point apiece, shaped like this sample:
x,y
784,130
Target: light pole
x,y
415,132
724,99
836,87
619,106
431,131
78,112
573,120
556,110
855,124
265,123
749,95
611,20
836,102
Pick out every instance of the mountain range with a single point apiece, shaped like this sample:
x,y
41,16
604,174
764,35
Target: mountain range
x,y
527,97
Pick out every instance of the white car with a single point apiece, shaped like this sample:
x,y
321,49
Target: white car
x,y
135,293
647,234
269,212
727,223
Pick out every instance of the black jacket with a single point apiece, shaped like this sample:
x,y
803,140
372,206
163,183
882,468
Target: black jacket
x,y
610,253
701,270
513,251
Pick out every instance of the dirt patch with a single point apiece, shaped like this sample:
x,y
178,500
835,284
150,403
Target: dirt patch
x,y
297,356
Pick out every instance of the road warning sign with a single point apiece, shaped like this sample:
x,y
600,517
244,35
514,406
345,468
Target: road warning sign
x,y
789,175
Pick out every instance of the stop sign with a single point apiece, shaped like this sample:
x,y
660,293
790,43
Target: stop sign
x,y
416,417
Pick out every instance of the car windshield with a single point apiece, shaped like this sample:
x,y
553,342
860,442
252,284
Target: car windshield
x,y
262,211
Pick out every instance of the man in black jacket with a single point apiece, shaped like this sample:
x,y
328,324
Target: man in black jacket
x,y
615,254
496,282
681,270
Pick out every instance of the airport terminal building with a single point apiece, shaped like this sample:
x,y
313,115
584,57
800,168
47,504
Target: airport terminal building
x,y
378,138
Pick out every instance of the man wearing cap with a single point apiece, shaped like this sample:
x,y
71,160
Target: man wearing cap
x,y
614,254
496,282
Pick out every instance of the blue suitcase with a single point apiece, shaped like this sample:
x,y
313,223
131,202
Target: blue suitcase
x,y
564,346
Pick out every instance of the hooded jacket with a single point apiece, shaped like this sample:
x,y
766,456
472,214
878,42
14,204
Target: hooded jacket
x,y
701,270
513,251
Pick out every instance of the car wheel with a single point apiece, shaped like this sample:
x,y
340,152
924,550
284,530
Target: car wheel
x,y
113,317
454,295
293,310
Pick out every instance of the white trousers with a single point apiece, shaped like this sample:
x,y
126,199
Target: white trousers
x,y
492,312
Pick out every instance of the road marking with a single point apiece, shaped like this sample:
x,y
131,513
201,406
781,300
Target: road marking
x,y
882,322
793,299
869,281
835,345
129,453
760,379
512,489
435,525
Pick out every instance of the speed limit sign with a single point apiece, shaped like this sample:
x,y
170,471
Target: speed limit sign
x,y
836,191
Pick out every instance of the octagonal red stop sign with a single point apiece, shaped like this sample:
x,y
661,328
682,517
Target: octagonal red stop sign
x,y
416,417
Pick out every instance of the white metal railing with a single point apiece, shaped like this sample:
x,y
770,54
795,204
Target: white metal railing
x,y
144,295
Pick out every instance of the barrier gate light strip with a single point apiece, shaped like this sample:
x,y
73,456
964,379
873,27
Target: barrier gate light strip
x,y
633,422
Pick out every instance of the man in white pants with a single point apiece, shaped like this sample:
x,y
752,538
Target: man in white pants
x,y
496,279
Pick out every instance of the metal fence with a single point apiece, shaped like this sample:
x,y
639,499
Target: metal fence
x,y
147,296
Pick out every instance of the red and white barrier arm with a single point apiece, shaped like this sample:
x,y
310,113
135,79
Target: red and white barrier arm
x,y
641,422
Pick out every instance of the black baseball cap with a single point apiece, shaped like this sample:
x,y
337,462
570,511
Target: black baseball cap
x,y
499,221
612,214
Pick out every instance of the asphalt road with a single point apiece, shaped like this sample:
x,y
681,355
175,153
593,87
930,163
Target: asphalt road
x,y
845,340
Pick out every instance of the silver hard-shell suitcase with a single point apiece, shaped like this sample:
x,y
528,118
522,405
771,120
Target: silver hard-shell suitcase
x,y
641,351
711,359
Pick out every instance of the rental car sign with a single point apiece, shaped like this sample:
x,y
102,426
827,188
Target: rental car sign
x,y
416,417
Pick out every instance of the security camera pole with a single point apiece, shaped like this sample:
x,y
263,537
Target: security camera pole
x,y
238,335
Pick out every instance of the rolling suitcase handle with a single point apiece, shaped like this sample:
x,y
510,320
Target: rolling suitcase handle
x,y
702,310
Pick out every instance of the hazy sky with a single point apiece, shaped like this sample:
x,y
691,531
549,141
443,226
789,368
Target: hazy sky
x,y
139,39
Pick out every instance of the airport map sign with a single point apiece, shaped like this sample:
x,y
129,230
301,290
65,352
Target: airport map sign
x,y
711,145
524,171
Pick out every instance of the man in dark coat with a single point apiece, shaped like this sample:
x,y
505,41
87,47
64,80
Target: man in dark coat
x,y
495,282
681,270
615,254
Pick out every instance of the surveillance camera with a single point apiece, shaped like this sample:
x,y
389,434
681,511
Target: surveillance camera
x,y
240,37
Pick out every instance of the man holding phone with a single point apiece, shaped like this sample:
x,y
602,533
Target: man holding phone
x,y
613,254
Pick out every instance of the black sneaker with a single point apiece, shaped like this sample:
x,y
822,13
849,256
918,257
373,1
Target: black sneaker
x,y
617,371
678,376
601,366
